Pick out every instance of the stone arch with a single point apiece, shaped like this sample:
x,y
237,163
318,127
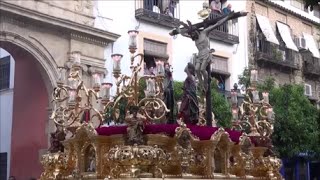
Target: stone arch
x,y
25,51
37,50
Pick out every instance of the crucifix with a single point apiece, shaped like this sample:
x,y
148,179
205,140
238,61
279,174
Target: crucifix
x,y
199,33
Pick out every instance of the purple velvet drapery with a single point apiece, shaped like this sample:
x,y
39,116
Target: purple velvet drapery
x,y
202,132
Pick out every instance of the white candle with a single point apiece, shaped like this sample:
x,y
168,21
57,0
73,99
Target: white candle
x,y
270,114
116,62
255,96
265,97
73,83
96,80
161,68
62,75
234,98
72,96
254,76
151,87
235,114
106,90
133,39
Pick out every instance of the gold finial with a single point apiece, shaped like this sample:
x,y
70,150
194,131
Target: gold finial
x,y
205,12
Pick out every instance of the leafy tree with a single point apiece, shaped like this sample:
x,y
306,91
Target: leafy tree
x,y
297,121
267,85
221,109
296,127
177,86
244,78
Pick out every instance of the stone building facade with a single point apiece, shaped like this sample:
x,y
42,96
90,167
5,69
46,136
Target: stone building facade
x,y
287,64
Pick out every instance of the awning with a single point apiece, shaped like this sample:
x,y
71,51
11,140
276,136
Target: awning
x,y
311,45
267,29
285,34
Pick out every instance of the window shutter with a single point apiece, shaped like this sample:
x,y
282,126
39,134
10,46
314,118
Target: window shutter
x,y
5,72
3,165
155,48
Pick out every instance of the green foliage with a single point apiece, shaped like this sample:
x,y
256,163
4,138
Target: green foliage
x,y
244,78
177,86
220,105
267,85
296,127
221,109
297,121
142,87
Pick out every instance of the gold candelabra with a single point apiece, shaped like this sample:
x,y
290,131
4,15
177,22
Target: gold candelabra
x,y
75,103
152,106
255,115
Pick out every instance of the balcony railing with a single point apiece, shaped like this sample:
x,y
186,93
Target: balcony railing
x,y
268,53
228,32
311,64
161,12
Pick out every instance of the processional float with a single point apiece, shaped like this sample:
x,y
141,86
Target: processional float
x,y
137,142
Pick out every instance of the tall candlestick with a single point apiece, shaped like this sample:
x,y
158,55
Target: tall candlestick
x,y
96,80
151,89
270,113
106,89
235,114
116,62
133,39
160,68
265,97
255,96
234,97
62,75
72,96
254,76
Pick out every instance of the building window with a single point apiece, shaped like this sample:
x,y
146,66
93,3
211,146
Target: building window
x,y
219,63
3,164
299,4
5,73
153,51
281,17
167,7
219,70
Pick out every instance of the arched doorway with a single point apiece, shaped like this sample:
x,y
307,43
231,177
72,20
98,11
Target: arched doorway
x,y
31,95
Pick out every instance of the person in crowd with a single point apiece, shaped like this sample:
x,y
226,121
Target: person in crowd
x,y
215,6
227,9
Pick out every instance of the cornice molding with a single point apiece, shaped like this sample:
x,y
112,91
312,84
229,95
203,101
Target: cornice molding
x,y
291,12
75,28
84,38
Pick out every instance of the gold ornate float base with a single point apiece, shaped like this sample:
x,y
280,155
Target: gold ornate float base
x,y
90,156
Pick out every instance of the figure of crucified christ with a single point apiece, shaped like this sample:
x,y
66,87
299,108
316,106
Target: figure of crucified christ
x,y
201,39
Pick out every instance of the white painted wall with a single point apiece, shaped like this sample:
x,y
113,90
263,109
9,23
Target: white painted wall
x,y
119,17
6,107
